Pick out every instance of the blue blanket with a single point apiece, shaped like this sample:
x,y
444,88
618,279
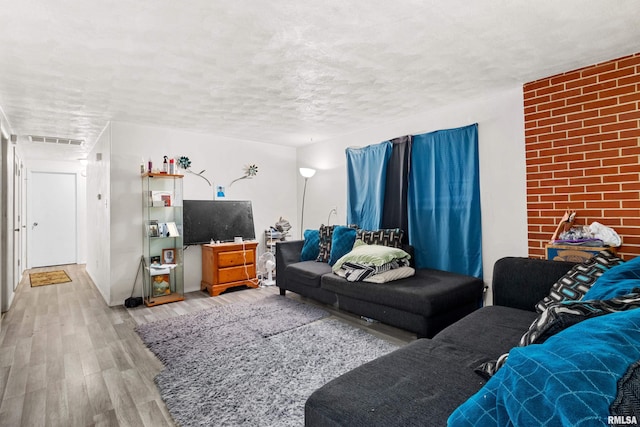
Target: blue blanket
x,y
569,380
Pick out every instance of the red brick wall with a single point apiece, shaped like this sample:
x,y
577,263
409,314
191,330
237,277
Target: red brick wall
x,y
582,139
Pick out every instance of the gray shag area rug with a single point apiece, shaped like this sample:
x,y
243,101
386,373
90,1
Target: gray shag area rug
x,y
253,364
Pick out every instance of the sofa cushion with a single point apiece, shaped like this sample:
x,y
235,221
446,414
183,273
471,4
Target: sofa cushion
x,y
575,284
311,248
490,331
522,282
428,292
307,273
570,379
418,384
616,282
342,241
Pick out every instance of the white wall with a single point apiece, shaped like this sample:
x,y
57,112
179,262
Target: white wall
x,y
272,191
115,243
502,168
8,181
6,219
98,211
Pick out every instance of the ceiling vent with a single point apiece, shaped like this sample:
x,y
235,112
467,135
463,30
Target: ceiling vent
x,y
55,140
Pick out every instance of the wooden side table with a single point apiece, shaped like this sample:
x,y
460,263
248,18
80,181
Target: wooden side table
x,y
574,253
227,265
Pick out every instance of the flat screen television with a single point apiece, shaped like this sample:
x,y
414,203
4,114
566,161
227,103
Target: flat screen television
x,y
217,220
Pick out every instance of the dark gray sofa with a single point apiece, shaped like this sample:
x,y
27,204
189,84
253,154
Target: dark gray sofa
x,y
422,383
425,303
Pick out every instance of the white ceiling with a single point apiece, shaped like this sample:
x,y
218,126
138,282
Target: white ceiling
x,y
283,71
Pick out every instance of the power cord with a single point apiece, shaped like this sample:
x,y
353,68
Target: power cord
x,y
254,280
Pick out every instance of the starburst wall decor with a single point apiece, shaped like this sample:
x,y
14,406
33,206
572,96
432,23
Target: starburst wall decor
x,y
249,172
185,163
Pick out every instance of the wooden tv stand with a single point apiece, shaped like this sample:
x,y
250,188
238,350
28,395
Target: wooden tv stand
x,y
227,265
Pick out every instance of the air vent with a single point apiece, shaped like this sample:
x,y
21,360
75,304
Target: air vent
x,y
55,140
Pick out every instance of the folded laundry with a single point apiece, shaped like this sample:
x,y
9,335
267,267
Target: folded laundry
x,y
581,242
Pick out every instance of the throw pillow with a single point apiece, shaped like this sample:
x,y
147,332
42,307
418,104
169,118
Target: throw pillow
x,y
326,238
342,242
311,247
573,285
326,234
562,315
391,237
617,281
558,317
571,379
374,255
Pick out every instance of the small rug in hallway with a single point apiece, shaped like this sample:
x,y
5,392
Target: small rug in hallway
x,y
49,278
253,363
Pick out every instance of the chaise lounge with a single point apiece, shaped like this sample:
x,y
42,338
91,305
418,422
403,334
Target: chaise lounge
x,y
424,303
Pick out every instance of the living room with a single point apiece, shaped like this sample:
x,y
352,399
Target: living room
x,y
516,217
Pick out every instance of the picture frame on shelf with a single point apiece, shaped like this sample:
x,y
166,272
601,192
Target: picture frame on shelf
x,y
169,256
161,285
155,260
153,229
161,198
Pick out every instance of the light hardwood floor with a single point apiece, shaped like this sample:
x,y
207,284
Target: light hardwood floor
x,y
68,359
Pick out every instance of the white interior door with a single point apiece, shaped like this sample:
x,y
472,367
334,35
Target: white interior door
x,y
52,223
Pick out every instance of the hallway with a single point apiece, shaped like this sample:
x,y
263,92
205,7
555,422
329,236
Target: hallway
x,y
67,359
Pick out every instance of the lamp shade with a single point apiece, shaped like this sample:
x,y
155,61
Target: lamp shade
x,y
307,172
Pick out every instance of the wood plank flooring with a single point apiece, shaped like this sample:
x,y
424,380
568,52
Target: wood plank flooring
x,y
68,359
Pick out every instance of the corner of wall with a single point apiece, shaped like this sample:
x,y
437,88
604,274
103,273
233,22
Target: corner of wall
x,y
98,209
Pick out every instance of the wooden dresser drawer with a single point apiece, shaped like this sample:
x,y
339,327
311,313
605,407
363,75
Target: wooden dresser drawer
x,y
233,258
235,274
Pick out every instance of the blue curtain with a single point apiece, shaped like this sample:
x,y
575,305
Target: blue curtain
x,y
366,177
444,201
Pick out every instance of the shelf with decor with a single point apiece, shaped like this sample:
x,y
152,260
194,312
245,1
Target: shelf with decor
x,y
271,237
162,238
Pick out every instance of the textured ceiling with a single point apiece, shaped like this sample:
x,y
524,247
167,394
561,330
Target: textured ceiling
x,y
283,71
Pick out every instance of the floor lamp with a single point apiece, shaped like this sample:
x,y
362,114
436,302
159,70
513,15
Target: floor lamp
x,y
306,174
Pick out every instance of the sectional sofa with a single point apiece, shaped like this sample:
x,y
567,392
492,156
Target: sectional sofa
x,y
575,363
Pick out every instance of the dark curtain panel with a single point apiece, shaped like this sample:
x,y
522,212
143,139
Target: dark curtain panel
x,y
394,214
